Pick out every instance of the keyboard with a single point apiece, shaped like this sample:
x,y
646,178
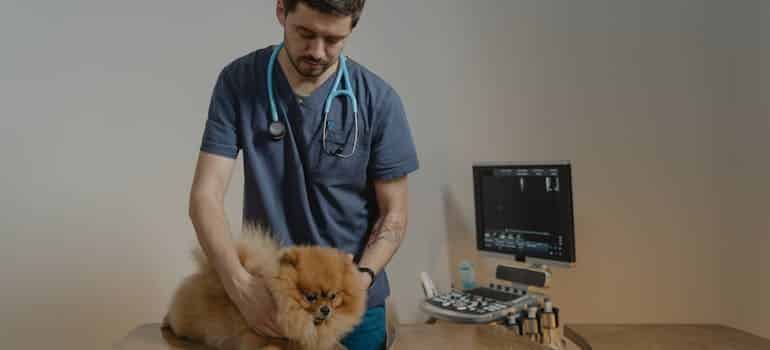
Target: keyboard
x,y
479,305
494,294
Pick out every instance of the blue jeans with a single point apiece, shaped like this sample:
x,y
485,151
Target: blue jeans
x,y
370,333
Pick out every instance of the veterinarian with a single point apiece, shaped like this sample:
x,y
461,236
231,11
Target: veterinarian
x,y
326,150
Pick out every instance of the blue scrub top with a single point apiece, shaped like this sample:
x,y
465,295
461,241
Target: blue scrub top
x,y
303,194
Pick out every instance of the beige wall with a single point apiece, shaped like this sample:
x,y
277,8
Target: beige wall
x,y
763,325
746,127
627,93
103,106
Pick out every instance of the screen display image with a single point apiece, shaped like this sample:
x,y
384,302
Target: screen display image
x,y
525,210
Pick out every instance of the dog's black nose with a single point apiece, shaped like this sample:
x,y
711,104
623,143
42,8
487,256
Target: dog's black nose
x,y
325,310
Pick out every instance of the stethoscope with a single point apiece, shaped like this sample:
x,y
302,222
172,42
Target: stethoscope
x,y
277,128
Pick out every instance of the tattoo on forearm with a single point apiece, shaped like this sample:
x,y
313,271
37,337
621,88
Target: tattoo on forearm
x,y
389,233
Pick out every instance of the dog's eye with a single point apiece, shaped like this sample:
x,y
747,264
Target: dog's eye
x,y
311,297
332,296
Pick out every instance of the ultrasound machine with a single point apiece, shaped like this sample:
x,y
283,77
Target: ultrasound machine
x,y
523,214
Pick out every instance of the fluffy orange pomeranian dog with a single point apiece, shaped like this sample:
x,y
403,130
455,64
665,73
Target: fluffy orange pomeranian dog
x,y
318,296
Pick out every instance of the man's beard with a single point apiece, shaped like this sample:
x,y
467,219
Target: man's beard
x,y
308,67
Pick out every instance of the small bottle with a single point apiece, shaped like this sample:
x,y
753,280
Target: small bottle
x,y
467,276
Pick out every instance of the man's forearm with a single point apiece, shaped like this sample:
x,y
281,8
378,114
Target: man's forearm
x,y
213,231
384,240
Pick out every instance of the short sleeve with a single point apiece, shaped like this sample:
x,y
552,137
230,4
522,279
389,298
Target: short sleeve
x,y
393,151
220,135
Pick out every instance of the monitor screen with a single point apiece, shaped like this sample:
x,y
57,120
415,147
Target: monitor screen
x,y
525,210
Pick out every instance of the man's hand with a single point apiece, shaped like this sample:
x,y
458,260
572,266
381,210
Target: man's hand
x,y
207,213
256,304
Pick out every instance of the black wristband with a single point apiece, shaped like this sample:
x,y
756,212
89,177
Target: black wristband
x,y
370,272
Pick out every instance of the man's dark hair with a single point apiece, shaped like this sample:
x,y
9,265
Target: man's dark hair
x,y
342,8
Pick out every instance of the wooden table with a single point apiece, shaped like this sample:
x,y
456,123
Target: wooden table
x,y
663,337
151,337
457,336
408,337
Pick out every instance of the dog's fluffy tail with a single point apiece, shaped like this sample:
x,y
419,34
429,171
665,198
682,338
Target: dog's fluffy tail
x,y
256,248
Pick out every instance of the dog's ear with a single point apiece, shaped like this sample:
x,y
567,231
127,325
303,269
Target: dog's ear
x,y
289,257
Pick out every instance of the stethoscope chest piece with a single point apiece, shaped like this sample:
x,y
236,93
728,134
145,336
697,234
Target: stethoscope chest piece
x,y
277,130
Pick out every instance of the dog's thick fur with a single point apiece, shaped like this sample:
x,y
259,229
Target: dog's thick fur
x,y
201,310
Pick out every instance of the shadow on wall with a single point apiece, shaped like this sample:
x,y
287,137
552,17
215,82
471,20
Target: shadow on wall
x,y
461,240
